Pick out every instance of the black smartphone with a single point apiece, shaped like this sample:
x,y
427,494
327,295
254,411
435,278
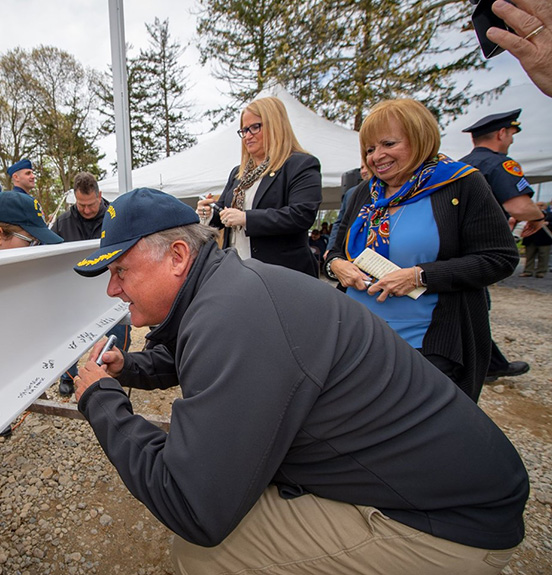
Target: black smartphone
x,y
483,18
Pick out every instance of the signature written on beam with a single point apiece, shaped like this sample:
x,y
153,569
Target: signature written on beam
x,y
31,387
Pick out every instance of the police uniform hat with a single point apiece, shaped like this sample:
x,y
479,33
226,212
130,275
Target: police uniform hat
x,y
494,122
131,217
23,164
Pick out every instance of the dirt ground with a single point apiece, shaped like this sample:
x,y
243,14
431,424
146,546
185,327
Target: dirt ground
x,y
72,514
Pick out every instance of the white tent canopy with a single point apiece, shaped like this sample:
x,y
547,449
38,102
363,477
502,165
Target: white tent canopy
x,y
205,167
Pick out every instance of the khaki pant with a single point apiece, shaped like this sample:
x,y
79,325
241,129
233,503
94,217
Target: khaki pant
x,y
311,535
539,253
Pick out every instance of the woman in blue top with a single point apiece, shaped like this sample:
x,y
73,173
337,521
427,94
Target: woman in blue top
x,y
438,221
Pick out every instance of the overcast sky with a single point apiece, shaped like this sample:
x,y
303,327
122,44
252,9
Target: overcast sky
x,y
82,29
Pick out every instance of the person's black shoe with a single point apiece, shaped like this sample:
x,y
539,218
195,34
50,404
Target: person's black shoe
x,y
66,387
514,369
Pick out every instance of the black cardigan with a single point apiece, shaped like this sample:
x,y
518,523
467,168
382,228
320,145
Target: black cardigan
x,y
476,249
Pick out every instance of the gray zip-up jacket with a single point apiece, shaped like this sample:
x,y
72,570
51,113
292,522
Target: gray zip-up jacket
x,y
286,380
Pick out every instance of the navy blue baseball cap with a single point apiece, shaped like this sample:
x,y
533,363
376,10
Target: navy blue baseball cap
x,y
21,210
494,122
23,164
131,217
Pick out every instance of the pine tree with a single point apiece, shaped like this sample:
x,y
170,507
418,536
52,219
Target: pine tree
x,y
169,111
157,85
243,39
143,146
340,57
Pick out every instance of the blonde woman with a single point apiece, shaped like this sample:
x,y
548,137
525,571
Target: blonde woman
x,y
272,197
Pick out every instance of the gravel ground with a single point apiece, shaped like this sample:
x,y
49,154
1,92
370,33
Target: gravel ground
x,y
64,510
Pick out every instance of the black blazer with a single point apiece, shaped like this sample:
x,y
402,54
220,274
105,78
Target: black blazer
x,y
284,208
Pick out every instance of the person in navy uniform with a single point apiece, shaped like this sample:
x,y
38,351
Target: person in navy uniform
x,y
22,176
492,137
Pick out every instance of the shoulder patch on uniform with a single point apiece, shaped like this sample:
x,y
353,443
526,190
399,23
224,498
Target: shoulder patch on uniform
x,y
513,168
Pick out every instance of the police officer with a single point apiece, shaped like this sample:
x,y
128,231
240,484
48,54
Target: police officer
x,y
492,136
22,176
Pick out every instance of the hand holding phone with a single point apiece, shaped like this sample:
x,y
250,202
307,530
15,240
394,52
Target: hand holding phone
x,y
484,18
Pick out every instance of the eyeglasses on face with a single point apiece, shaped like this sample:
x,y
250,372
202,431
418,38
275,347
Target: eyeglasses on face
x,y
32,242
253,129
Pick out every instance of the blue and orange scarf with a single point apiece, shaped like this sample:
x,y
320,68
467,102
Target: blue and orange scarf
x,y
371,227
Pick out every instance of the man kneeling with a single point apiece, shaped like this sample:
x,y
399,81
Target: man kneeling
x,y
288,454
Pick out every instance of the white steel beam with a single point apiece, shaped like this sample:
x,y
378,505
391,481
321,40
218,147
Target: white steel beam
x,y
50,317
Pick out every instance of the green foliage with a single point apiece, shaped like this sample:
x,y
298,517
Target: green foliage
x,y
340,57
46,102
16,113
243,39
171,113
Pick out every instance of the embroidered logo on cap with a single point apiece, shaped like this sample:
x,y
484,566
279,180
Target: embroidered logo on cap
x,y
38,209
84,263
111,211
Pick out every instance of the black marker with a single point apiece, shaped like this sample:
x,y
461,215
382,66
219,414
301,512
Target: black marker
x,y
111,341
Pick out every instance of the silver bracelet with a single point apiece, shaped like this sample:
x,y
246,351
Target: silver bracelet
x,y
327,268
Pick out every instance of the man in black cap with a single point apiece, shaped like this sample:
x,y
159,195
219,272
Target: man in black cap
x,y
22,176
492,137
290,454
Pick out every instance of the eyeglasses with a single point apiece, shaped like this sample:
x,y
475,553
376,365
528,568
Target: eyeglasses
x,y
253,129
31,241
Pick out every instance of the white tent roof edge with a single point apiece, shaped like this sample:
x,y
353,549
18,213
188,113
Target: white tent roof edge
x,y
205,167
